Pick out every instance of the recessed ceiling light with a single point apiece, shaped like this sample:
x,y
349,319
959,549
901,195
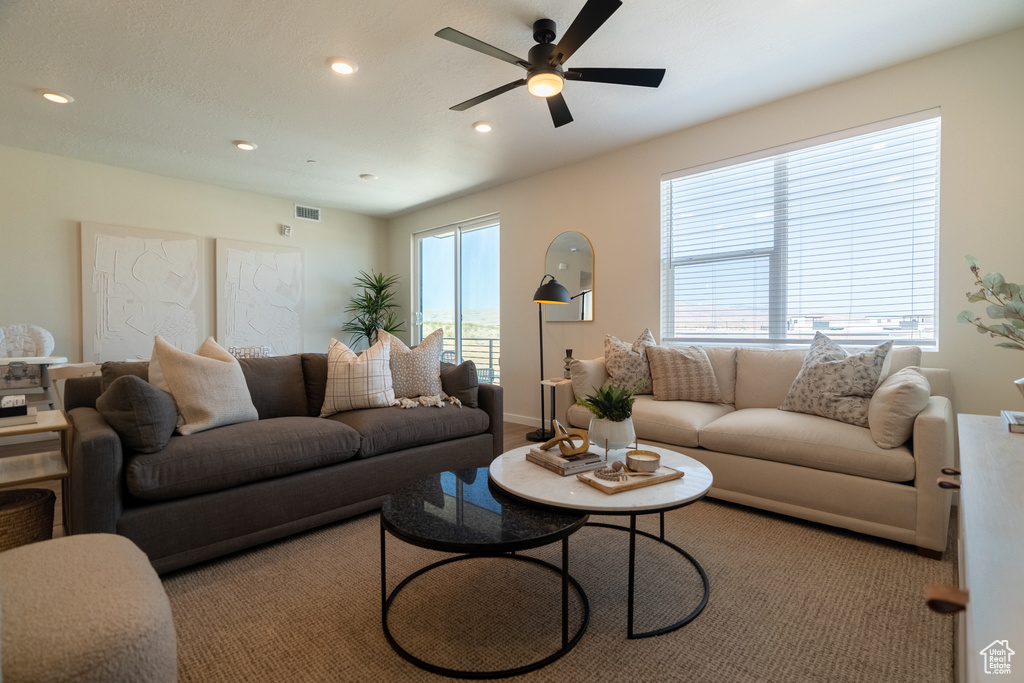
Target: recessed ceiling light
x,y
343,66
482,127
54,96
368,176
244,146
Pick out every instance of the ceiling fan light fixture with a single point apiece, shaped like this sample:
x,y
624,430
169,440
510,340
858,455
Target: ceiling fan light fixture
x,y
546,83
482,127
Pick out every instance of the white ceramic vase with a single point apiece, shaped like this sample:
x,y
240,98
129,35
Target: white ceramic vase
x,y
616,434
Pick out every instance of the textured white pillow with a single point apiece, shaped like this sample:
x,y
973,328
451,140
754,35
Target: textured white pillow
x,y
362,381
627,364
417,371
836,385
208,386
587,376
895,406
683,374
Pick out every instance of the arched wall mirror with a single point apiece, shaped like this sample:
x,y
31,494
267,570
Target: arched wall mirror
x,y
570,259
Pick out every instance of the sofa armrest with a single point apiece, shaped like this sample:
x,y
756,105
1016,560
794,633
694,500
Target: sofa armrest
x,y
96,479
934,444
565,398
492,402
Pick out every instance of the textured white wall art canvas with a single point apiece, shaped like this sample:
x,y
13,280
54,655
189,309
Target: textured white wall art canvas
x,y
260,296
137,284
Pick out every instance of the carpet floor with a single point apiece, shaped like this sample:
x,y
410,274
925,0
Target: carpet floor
x,y
790,601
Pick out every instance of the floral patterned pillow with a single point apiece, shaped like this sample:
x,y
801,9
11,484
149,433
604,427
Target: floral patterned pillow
x,y
836,385
627,364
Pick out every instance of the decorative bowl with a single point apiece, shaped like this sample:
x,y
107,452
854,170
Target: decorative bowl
x,y
643,461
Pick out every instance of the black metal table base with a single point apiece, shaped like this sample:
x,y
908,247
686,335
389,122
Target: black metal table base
x,y
633,531
567,642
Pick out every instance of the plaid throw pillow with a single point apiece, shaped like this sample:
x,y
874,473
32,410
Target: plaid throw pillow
x,y
362,381
683,374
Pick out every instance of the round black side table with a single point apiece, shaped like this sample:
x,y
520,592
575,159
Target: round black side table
x,y
460,512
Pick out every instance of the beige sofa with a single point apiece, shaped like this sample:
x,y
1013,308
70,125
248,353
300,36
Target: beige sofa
x,y
796,464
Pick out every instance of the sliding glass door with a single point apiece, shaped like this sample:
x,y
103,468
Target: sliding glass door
x,y
458,290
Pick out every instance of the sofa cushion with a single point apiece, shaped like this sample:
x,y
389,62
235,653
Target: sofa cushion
x,y
683,374
416,371
383,430
674,422
763,376
808,441
895,405
207,385
834,384
362,381
587,376
142,415
314,371
723,361
627,363
111,370
461,382
239,454
276,385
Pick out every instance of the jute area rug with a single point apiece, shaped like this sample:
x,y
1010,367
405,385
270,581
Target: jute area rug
x,y
790,601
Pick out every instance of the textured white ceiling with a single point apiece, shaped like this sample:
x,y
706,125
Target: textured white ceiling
x,y
164,86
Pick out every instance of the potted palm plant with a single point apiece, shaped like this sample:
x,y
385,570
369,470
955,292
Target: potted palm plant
x,y
612,423
375,309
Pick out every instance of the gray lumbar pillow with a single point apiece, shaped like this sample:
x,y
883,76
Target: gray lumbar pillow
x,y
142,415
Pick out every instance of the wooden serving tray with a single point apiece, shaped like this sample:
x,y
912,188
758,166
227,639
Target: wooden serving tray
x,y
663,473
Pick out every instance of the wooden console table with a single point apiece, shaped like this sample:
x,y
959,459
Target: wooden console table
x,y
991,546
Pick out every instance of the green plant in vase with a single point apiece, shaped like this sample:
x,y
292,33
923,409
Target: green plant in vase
x,y
1005,302
375,309
612,423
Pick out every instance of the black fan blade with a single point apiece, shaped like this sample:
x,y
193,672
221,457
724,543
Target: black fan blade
x,y
463,106
559,110
590,18
460,38
648,78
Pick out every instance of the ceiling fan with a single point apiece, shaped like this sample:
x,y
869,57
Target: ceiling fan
x,y
545,75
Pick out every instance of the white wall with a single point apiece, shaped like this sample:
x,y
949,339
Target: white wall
x,y
614,200
43,198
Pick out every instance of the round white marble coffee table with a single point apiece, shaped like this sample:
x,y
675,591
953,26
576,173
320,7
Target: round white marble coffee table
x,y
514,474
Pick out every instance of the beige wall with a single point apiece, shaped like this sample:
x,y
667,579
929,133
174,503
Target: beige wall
x,y
43,199
614,200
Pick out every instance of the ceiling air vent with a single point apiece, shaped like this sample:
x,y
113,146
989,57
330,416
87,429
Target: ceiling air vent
x,y
307,213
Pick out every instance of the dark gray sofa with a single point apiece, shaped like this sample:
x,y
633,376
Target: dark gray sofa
x,y
233,487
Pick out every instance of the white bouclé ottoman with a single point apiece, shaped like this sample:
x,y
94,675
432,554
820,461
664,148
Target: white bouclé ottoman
x,y
84,608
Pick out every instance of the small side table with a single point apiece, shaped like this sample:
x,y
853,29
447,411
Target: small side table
x,y
553,383
24,463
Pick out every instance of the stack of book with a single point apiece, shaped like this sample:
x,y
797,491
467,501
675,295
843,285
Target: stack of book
x,y
17,415
565,465
1014,420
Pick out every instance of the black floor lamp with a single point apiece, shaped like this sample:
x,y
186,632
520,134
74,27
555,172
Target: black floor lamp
x,y
549,292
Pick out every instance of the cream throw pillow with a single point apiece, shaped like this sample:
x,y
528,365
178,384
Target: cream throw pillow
x,y
416,372
683,374
836,385
362,381
895,406
208,386
627,364
587,376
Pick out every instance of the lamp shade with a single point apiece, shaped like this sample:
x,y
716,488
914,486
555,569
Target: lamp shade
x,y
551,293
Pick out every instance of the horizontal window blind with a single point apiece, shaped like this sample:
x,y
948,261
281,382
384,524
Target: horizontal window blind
x,y
839,236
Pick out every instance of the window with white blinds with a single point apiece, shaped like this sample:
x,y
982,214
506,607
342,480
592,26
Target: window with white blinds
x,y
838,234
